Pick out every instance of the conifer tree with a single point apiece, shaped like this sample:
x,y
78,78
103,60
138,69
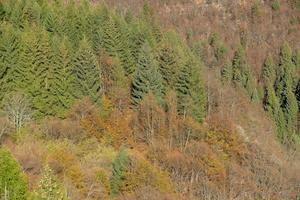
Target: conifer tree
x,y
270,101
226,72
13,183
87,73
42,89
119,166
168,61
268,71
63,77
239,67
147,77
112,36
190,91
10,50
49,188
296,60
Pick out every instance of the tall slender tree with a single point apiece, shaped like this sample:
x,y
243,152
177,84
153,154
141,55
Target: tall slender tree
x,y
147,77
87,73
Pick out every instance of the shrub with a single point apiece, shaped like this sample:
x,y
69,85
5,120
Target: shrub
x,y
49,188
275,5
13,184
256,9
296,4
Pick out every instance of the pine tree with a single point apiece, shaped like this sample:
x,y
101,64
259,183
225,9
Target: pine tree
x,y
290,110
168,61
31,12
226,72
239,67
87,73
119,166
42,89
10,50
62,77
270,101
112,36
49,188
190,91
13,183
268,71
147,77
286,70
74,23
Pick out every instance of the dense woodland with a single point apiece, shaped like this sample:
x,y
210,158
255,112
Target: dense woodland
x,y
104,101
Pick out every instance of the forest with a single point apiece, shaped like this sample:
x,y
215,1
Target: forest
x,y
118,100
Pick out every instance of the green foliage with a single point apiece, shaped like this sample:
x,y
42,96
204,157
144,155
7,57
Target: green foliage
x,y
190,91
86,73
268,71
147,77
120,164
10,48
13,184
256,9
241,74
49,187
226,71
275,4
218,46
168,62
295,4
53,54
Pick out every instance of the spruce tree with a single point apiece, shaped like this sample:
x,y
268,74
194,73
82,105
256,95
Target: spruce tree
x,y
87,73
10,49
63,77
190,91
49,187
120,164
226,72
168,61
268,71
147,77
13,184
270,101
42,89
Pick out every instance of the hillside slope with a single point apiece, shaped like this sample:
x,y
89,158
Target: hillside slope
x,y
99,101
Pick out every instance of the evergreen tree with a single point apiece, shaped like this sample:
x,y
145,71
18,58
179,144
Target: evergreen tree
x,y
87,73
13,183
42,89
147,77
119,166
270,101
268,71
190,91
49,188
239,67
242,75
226,72
10,50
168,61
296,59
62,77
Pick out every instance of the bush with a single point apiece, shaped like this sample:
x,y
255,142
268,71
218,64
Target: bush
x,y
275,5
13,184
49,188
296,4
256,9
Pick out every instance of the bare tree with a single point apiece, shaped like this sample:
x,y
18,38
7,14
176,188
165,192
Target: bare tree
x,y
17,109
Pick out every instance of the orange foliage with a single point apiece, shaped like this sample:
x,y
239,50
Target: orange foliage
x,y
109,125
